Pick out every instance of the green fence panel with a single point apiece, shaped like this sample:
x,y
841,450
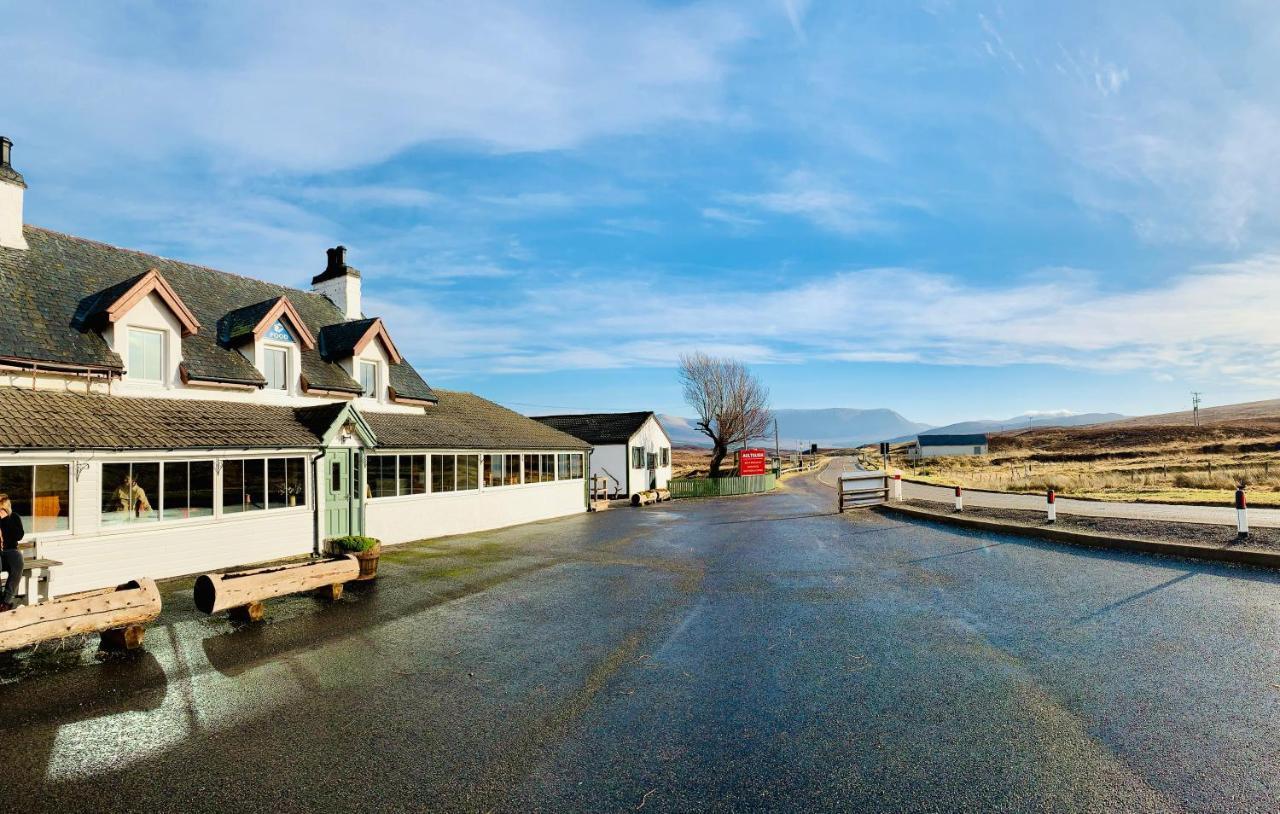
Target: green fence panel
x,y
721,487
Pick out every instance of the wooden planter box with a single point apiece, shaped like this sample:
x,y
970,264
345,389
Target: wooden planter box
x,y
119,614
369,563
243,592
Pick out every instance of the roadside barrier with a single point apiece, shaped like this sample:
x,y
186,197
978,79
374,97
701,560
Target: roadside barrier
x,y
1052,507
897,486
721,487
1242,515
862,488
119,614
959,500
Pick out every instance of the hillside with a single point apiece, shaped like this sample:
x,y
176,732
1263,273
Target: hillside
x,y
830,427
1247,411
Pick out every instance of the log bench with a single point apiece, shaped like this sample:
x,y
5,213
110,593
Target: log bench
x,y
241,593
119,614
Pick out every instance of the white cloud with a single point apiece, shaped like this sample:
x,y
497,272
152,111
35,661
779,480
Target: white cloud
x,y
1214,322
311,86
806,195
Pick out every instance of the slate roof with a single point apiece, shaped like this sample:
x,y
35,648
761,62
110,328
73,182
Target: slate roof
x,y
598,429
466,421
962,440
35,419
47,292
236,325
338,341
43,419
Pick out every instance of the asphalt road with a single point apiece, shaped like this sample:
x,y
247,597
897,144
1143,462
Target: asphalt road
x,y
744,654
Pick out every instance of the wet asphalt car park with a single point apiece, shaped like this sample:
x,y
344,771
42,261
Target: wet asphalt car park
x,y
757,653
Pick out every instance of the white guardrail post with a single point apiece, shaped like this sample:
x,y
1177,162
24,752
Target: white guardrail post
x,y
1052,507
1242,514
897,487
959,499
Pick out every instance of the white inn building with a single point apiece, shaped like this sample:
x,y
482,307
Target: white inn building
x,y
159,418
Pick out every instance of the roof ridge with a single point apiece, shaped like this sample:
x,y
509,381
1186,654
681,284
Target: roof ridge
x,y
154,256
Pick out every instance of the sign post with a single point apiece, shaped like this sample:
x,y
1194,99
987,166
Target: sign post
x,y
752,461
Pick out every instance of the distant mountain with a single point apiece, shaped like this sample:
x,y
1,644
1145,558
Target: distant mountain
x,y
1020,422
830,427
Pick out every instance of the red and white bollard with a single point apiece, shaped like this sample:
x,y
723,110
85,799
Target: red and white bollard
x,y
1242,515
897,486
1052,507
959,500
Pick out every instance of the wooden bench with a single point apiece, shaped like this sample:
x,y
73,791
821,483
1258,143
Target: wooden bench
x,y
37,576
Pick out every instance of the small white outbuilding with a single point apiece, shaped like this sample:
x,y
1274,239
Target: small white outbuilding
x,y
632,450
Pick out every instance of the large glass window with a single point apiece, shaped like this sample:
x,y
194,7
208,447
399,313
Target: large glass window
x,y
575,466
637,457
548,468
442,473
531,468
244,485
276,364
391,475
468,472
513,470
495,472
188,490
146,355
381,473
130,492
369,378
41,495
562,466
286,483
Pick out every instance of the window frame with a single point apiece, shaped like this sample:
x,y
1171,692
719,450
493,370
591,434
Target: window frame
x,y
363,365
162,337
286,379
30,529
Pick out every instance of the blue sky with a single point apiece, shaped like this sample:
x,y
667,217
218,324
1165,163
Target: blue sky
x,y
956,210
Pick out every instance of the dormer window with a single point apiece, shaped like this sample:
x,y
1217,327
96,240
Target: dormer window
x,y
369,379
146,355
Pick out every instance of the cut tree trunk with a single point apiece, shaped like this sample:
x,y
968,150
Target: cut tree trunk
x,y
219,592
133,604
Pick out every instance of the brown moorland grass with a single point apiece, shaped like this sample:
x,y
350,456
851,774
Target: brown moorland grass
x,y
1125,461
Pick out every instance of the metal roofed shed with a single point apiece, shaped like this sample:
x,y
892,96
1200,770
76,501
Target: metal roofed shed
x,y
939,445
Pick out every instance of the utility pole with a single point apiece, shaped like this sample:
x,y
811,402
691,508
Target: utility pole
x,y
1195,407
777,446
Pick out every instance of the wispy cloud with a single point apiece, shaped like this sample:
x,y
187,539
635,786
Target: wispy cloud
x,y
803,194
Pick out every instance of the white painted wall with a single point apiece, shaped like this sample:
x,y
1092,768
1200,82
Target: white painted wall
x,y
151,314
960,449
418,517
611,462
343,292
652,438
11,216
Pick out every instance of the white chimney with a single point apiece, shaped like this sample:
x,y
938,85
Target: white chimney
x,y
11,188
340,283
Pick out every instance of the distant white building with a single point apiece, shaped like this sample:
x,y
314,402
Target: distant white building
x,y
936,446
632,450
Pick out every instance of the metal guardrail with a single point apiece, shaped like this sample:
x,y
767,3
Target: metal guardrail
x,y
721,487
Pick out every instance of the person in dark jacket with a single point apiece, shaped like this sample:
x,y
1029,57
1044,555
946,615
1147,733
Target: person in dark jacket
x,y
11,533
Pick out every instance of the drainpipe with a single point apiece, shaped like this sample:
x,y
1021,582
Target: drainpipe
x,y
317,475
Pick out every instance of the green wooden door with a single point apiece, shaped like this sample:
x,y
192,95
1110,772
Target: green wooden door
x,y
339,504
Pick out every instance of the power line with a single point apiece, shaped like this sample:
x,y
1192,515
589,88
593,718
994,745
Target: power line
x,y
1195,407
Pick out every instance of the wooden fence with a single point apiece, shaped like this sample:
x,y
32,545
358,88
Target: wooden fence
x,y
720,487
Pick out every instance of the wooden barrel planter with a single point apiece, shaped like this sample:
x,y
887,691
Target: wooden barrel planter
x,y
119,614
243,592
369,563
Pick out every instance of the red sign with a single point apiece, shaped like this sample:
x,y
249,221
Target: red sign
x,y
751,461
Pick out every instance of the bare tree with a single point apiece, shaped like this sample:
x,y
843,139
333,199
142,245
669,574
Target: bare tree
x,y
731,403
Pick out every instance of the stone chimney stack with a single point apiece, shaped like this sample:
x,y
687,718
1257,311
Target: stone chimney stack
x,y
12,187
340,283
